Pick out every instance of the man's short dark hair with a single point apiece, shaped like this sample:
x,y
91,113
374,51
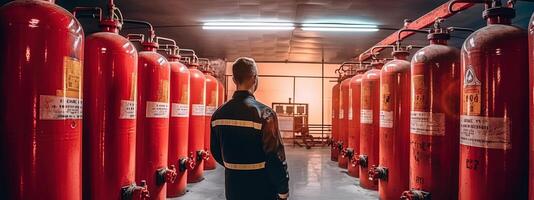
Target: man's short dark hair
x,y
243,69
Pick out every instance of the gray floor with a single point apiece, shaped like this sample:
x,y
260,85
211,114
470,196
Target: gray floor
x,y
312,177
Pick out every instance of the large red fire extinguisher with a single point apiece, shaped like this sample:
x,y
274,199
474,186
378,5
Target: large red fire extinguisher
x,y
434,120
343,131
179,118
153,91
197,102
392,168
353,145
334,153
367,156
211,95
110,125
41,56
493,123
531,92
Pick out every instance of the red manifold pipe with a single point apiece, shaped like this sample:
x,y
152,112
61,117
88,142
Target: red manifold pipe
x,y
41,55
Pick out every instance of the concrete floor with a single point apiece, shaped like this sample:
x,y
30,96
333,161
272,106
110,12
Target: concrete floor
x,y
312,177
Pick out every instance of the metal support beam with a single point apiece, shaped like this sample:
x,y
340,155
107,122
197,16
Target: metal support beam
x,y
426,20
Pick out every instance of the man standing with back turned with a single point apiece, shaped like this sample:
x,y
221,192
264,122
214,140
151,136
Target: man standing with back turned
x,y
245,139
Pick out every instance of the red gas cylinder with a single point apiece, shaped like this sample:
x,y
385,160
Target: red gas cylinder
x,y
493,123
334,153
343,134
353,145
197,124
41,55
211,95
153,91
531,59
221,92
179,119
391,171
435,113
110,126
369,118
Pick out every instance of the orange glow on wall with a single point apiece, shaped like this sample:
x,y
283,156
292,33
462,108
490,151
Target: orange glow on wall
x,y
307,90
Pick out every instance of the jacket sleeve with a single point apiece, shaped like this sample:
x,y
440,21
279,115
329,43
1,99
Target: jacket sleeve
x,y
273,147
215,143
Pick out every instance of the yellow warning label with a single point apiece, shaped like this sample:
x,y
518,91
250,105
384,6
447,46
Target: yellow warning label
x,y
163,93
213,101
133,90
184,99
72,78
366,95
419,93
385,98
472,100
471,92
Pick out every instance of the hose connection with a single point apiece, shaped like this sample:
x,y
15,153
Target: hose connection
x,y
349,153
188,57
202,155
362,161
415,195
166,175
135,192
185,163
378,173
339,146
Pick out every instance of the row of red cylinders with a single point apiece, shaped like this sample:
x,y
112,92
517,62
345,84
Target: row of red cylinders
x,y
449,125
137,125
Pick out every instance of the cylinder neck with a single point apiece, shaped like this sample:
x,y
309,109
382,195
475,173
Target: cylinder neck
x,y
112,26
150,46
173,58
438,41
499,20
400,55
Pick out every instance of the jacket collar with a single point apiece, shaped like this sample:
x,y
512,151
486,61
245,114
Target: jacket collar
x,y
241,94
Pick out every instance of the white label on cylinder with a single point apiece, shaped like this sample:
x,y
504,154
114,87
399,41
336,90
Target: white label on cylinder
x,y
485,132
386,119
60,108
157,109
128,109
198,110
341,112
366,116
350,113
210,110
179,110
427,123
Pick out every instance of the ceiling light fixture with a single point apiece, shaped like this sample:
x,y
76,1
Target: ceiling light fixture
x,y
248,26
340,27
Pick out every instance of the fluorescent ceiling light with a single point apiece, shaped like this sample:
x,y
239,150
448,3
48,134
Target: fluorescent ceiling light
x,y
340,29
247,26
340,25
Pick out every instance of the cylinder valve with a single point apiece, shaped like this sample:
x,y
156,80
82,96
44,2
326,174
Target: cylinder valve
x,y
361,160
415,195
202,155
376,173
166,175
135,192
186,163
